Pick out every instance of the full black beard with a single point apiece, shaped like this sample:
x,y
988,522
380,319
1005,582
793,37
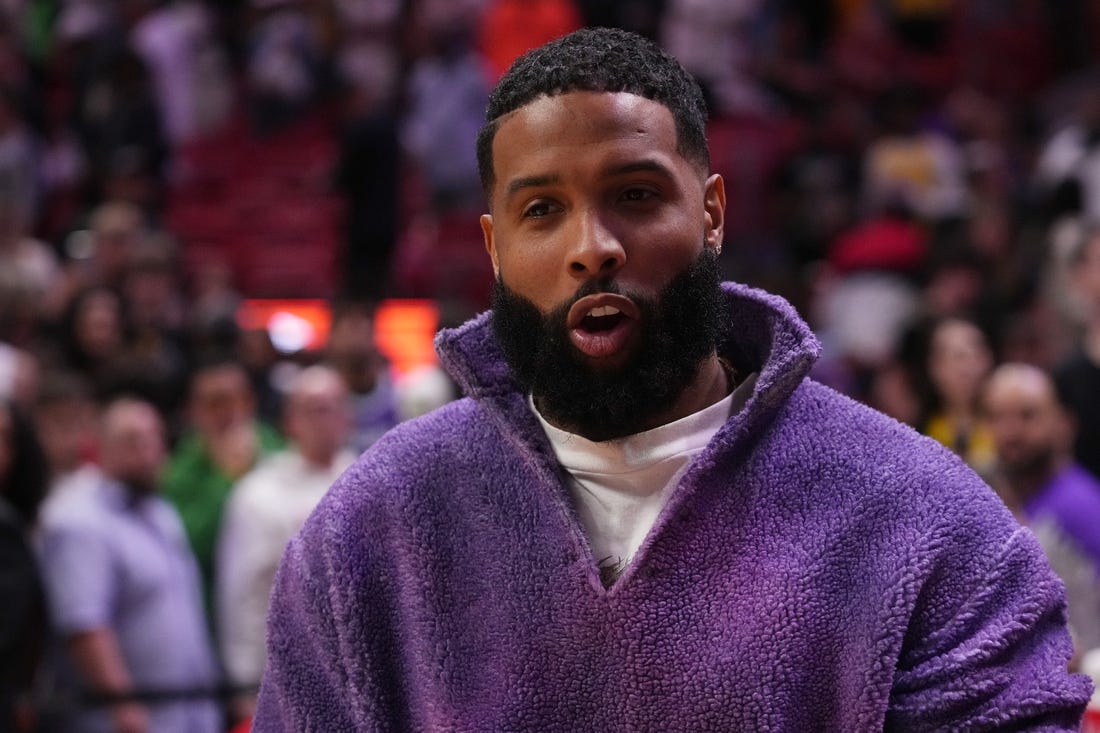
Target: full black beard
x,y
679,329
1033,469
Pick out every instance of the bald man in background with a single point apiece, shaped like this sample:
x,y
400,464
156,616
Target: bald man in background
x,y
265,509
124,596
1039,479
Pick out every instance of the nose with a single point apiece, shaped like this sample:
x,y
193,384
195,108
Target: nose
x,y
597,251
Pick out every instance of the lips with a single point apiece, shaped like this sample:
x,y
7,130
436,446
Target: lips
x,y
602,326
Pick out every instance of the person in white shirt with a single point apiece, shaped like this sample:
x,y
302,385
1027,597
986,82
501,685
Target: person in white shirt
x,y
265,509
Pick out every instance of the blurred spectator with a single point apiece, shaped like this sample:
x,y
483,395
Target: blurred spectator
x,y
866,295
156,362
713,39
888,240
22,487
283,58
818,186
124,593
19,375
172,40
1071,157
99,256
862,54
19,181
151,286
1078,378
859,317
1009,48
65,416
93,338
1035,471
423,389
955,359
447,93
29,268
224,442
265,367
368,174
892,390
29,271
368,53
790,60
265,509
918,166
214,304
120,127
351,351
368,170
953,279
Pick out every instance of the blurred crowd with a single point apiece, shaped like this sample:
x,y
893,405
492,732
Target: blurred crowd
x,y
921,178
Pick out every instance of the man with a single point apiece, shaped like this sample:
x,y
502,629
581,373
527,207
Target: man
x,y
65,416
644,516
265,509
1078,378
224,444
123,592
1057,498
352,352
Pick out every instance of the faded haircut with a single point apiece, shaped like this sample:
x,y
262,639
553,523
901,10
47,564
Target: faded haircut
x,y
599,60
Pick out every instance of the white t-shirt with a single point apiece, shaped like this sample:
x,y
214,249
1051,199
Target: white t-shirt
x,y
620,486
265,509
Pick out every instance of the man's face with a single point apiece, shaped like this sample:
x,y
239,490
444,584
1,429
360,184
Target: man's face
x,y
221,398
67,430
317,420
1086,275
352,351
959,361
1030,430
132,446
594,214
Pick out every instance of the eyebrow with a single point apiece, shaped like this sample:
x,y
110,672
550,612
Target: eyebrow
x,y
638,166
518,184
647,165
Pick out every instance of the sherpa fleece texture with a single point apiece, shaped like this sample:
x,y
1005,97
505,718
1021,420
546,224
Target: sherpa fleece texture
x,y
819,567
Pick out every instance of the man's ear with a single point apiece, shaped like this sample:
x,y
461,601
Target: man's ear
x,y
714,211
490,241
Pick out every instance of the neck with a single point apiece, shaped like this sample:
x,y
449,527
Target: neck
x,y
960,414
712,384
322,460
137,490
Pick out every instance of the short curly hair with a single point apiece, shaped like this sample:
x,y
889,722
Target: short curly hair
x,y
599,60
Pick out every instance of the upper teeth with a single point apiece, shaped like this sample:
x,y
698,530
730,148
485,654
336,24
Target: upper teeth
x,y
603,310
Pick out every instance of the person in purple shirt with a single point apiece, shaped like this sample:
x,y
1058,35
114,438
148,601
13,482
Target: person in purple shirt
x,y
1033,437
644,516
124,597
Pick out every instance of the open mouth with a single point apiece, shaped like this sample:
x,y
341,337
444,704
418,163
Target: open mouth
x,y
603,325
602,318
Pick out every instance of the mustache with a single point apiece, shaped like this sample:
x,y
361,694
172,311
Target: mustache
x,y
560,312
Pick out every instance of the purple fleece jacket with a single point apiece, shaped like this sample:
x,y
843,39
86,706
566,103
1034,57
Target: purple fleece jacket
x,y
819,567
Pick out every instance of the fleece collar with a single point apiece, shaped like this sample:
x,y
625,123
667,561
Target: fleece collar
x,y
765,334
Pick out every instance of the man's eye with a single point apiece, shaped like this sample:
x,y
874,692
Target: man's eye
x,y
637,194
538,210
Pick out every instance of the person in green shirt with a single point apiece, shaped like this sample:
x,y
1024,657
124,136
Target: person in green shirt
x,y
223,443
